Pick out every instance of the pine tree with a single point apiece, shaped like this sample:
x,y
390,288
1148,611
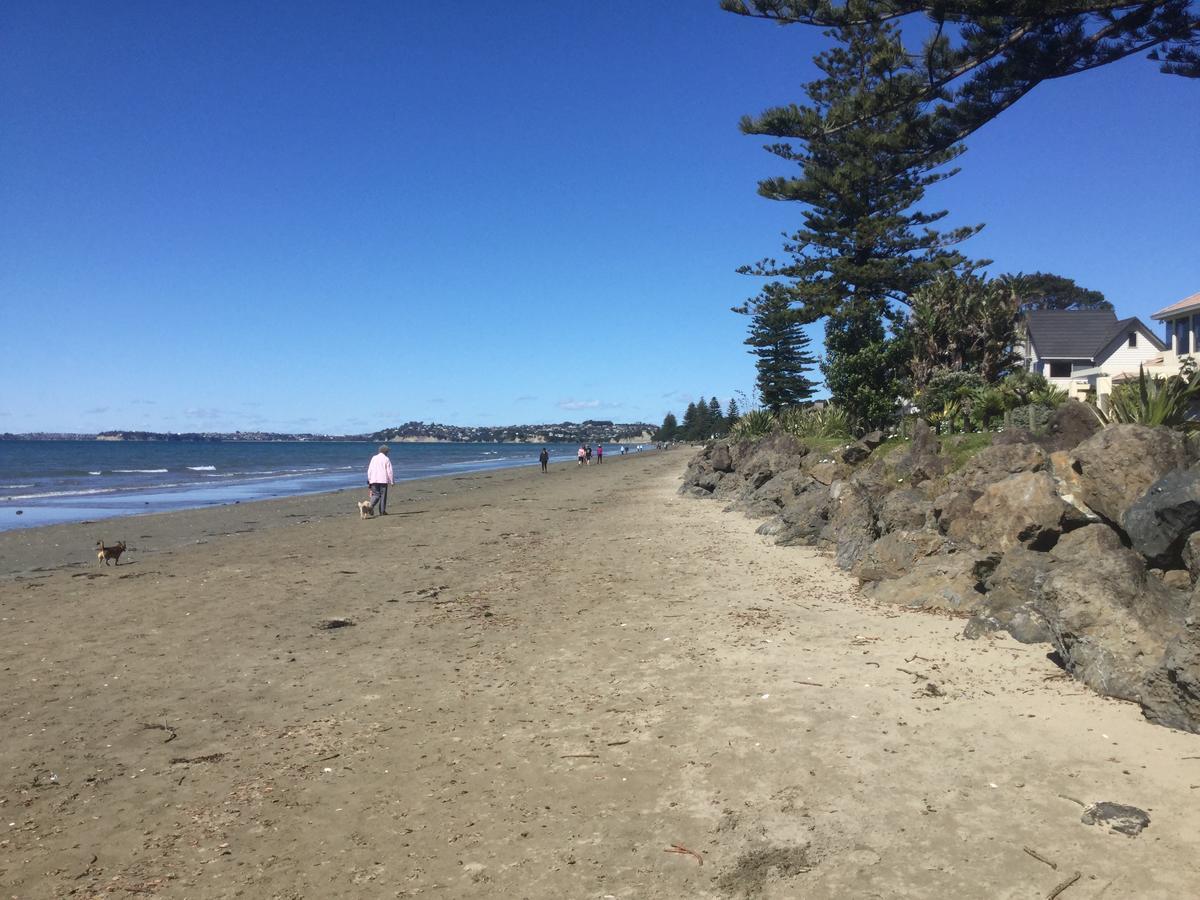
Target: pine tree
x,y
668,430
732,414
862,247
688,427
778,340
716,422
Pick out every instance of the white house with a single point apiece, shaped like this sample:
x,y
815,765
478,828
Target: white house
x,y
1082,350
1182,323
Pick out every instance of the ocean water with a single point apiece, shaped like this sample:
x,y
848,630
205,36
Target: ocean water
x,y
49,482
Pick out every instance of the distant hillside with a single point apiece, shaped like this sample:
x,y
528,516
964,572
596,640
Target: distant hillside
x,y
592,431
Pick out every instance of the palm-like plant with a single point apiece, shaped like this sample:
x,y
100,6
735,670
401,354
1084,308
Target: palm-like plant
x,y
753,425
1153,400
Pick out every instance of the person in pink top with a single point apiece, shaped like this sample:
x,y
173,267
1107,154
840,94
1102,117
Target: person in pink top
x,y
379,476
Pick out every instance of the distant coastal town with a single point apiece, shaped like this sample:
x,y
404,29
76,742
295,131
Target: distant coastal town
x,y
411,432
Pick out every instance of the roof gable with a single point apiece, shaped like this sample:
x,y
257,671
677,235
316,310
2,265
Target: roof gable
x,y
1185,305
1120,334
1070,333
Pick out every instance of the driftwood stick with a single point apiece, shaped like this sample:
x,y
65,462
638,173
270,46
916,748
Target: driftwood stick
x,y
1040,858
912,673
809,683
1064,885
580,756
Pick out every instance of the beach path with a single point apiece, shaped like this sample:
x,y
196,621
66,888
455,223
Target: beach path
x,y
573,685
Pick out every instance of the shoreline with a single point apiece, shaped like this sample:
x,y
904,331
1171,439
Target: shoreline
x,y
539,685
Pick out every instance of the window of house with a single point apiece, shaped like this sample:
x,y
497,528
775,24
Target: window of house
x,y
1133,339
1060,370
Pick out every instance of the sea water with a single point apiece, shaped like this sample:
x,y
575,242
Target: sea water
x,y
49,482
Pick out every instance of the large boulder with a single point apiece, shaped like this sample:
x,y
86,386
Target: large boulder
x,y
950,580
997,462
1118,465
1011,588
803,520
1108,621
721,459
851,528
1023,509
922,459
1069,426
894,554
774,495
952,507
905,509
861,449
762,460
1160,522
1172,693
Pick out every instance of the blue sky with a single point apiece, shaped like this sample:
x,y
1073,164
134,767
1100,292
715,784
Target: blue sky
x,y
338,217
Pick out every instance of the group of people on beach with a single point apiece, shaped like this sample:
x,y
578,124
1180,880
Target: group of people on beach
x,y
584,454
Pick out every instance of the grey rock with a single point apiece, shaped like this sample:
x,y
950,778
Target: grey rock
x,y
904,509
721,459
1172,693
997,462
1026,624
1117,817
1069,426
1160,522
921,460
952,580
949,508
895,553
1022,509
1118,464
981,626
1191,555
851,529
805,517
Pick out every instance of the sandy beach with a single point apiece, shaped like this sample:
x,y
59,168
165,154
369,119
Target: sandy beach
x,y
573,685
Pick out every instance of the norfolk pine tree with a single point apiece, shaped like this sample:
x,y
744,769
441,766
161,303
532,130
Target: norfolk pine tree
x,y
865,159
779,342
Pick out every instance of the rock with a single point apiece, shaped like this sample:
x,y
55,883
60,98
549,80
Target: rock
x,y
895,553
336,622
762,460
773,495
721,459
1172,694
1014,436
1162,519
1026,624
851,529
921,460
1107,619
825,471
858,451
904,509
1117,817
1011,588
951,580
997,462
804,518
1177,579
980,626
873,439
1118,464
1023,509
951,507
1069,426
1191,555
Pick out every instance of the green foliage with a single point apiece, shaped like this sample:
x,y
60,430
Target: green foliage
x,y
669,429
732,414
1152,400
826,421
864,368
1042,290
978,57
962,323
753,425
781,346
949,398
1032,417
959,401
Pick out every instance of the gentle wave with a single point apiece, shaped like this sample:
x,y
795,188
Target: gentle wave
x,y
142,471
95,473
14,487
61,494
202,468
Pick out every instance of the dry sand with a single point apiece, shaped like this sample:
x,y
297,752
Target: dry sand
x,y
550,680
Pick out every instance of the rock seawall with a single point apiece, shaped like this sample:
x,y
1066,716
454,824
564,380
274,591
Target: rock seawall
x,y
1087,540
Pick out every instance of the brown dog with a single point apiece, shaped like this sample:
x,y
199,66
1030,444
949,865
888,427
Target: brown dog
x,y
104,554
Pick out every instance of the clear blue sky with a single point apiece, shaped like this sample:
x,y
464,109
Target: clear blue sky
x,y
338,217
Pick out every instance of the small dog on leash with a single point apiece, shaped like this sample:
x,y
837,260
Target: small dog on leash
x,y
365,509
104,554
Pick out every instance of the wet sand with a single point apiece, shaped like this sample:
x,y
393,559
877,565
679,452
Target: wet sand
x,y
549,681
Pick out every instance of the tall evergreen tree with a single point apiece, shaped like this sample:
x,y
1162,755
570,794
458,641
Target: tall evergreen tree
x,y
716,422
687,428
669,428
779,341
862,246
732,414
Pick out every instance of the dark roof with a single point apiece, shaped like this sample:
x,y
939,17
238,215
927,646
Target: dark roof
x,y
1078,333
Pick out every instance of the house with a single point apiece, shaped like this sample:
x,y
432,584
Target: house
x,y
1081,351
1182,333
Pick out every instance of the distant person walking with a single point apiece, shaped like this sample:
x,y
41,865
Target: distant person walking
x,y
588,450
379,476
581,455
544,458
599,454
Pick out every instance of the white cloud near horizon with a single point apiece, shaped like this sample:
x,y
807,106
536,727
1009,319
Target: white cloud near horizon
x,y
587,404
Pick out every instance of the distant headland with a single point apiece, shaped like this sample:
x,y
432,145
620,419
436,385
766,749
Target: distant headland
x,y
592,430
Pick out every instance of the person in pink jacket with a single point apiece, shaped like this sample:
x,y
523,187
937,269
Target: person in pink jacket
x,y
379,476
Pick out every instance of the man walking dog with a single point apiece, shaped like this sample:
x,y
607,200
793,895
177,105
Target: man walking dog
x,y
379,476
